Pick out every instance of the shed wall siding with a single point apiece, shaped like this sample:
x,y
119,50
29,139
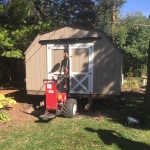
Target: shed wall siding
x,y
107,61
68,32
36,67
117,70
107,68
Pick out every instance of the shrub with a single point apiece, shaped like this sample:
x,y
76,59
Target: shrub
x,y
5,102
131,83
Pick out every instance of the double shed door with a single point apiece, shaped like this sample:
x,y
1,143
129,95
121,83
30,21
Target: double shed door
x,y
80,65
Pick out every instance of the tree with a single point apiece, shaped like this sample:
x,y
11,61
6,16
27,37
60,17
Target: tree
x,y
131,36
147,93
79,12
21,21
15,36
104,14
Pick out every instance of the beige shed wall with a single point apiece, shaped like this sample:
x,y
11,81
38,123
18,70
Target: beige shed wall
x,y
106,64
107,68
68,32
36,69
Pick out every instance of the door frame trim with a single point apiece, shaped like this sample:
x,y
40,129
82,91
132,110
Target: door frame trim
x,y
90,46
50,47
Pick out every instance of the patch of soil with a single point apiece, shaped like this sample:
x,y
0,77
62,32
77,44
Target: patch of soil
x,y
22,112
18,112
17,115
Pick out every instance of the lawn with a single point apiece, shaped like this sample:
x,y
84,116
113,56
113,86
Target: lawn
x,y
85,133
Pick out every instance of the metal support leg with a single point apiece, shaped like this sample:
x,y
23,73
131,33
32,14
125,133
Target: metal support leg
x,y
89,104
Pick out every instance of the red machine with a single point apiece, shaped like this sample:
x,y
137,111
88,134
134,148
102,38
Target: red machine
x,y
57,102
53,97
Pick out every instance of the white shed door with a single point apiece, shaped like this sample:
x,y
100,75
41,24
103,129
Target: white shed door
x,y
55,54
81,68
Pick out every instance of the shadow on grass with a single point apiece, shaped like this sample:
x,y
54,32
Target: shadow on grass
x,y
42,121
134,106
110,137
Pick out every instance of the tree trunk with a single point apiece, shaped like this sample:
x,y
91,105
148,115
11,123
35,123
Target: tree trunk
x,y
147,93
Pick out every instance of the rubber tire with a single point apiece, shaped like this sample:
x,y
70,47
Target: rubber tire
x,y
70,108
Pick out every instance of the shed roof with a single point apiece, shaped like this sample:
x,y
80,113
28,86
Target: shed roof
x,y
72,26
96,35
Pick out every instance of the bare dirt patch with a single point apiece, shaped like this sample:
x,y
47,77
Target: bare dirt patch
x,y
18,117
18,111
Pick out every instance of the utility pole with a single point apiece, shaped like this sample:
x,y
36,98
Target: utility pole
x,y
113,20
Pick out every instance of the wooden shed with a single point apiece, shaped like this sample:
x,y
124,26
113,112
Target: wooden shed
x,y
95,66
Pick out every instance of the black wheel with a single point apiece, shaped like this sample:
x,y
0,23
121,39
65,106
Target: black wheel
x,y
70,108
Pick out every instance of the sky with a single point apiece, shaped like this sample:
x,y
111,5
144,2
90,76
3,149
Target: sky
x,y
136,5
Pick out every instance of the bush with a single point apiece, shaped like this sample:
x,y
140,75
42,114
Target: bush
x,y
131,83
5,102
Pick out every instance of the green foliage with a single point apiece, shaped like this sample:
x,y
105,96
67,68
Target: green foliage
x,y
132,38
5,102
82,13
104,14
19,26
13,54
5,40
4,117
131,83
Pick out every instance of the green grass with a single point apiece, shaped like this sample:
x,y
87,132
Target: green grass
x,y
81,133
